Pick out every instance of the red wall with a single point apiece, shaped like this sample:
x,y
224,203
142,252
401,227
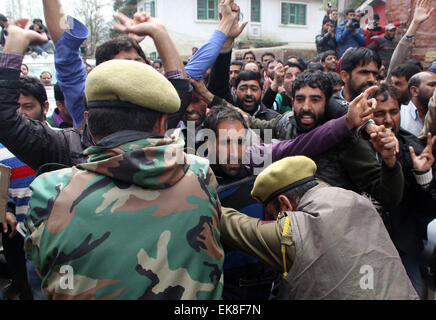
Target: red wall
x,y
380,9
398,10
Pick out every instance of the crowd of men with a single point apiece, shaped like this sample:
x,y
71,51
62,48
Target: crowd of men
x,y
218,178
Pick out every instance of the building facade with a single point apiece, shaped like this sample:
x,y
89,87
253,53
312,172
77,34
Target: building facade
x,y
191,22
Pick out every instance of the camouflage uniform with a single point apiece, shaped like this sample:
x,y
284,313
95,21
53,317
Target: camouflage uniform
x,y
132,222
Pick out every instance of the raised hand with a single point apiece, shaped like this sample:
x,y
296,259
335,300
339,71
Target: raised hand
x,y
279,75
425,160
386,144
201,91
142,24
361,109
423,10
235,29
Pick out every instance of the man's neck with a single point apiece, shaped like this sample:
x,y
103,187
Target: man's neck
x,y
252,112
347,95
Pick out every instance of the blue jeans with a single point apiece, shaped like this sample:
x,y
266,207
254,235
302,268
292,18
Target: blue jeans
x,y
47,47
34,280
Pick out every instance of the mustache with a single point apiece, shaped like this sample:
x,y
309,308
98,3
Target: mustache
x,y
368,84
306,113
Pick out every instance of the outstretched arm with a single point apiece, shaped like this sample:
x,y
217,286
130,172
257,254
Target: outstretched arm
x,y
219,75
423,11
33,142
208,53
55,18
144,25
68,35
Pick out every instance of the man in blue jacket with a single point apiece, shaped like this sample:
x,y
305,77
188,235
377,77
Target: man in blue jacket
x,y
348,33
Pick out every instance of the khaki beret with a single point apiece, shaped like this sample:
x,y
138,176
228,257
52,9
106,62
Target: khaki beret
x,y
282,176
128,83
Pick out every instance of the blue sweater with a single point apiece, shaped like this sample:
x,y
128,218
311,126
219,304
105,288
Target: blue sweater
x,y
71,72
346,38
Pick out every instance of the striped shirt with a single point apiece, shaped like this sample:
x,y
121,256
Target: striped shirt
x,y
21,177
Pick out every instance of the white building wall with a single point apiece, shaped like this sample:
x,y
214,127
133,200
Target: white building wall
x,y
180,18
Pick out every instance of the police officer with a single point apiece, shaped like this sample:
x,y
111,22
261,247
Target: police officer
x,y
139,220
330,243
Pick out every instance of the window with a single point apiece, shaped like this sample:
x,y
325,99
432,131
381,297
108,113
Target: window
x,y
293,13
152,55
255,10
207,9
150,7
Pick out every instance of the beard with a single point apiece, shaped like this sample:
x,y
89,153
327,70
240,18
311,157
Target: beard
x,y
356,90
241,103
317,120
424,100
404,98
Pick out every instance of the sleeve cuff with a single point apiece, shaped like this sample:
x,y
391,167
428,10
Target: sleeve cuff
x,y
216,101
423,177
11,60
76,35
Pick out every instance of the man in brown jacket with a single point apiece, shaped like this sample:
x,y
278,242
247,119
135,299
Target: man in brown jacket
x,y
330,243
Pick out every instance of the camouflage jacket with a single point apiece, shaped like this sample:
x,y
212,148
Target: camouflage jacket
x,y
137,221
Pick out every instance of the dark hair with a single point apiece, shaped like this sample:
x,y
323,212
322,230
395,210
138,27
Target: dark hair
x,y
357,57
300,61
334,78
417,63
248,75
315,59
294,195
158,61
221,113
37,20
296,65
105,121
45,72
3,18
327,53
348,11
109,49
313,79
33,87
386,91
237,63
315,67
248,52
326,19
406,70
272,60
58,94
268,54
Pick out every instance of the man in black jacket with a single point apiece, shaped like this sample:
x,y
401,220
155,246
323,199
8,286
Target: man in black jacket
x,y
408,221
327,39
386,45
249,95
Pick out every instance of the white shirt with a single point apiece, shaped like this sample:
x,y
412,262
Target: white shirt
x,y
410,119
